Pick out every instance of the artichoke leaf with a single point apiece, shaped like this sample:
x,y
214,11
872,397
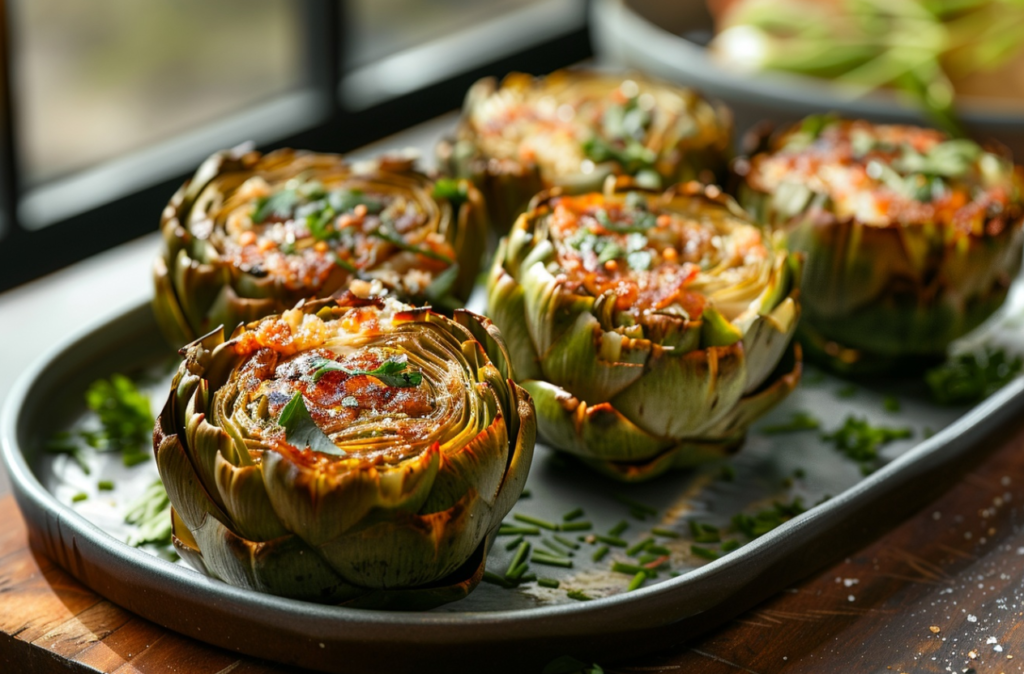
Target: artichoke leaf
x,y
600,431
244,495
320,506
507,306
681,395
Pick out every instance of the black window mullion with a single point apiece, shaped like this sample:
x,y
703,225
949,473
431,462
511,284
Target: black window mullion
x,y
9,185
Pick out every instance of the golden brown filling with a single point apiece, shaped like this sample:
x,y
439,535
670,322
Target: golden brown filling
x,y
302,232
883,174
371,387
652,259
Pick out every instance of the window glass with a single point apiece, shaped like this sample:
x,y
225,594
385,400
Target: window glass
x,y
379,28
95,80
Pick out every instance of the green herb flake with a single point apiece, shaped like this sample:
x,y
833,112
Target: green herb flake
x,y
151,514
301,431
973,376
578,595
279,204
125,417
548,582
705,553
704,533
536,521
799,421
392,372
105,485
79,497
636,582
573,514
860,441
767,519
452,189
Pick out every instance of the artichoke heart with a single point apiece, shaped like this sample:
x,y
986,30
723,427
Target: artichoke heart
x,y
912,238
650,328
250,235
572,129
351,450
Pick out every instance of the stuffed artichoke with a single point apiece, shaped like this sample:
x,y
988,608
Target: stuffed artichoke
x,y
250,235
650,329
912,238
573,129
352,451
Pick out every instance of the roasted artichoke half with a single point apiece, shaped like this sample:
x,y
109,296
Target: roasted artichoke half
x,y
912,238
572,129
354,451
651,329
250,235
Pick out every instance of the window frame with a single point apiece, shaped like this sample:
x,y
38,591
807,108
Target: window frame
x,y
65,220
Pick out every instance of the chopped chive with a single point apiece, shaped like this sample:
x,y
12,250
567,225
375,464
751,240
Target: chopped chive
x,y
847,391
658,550
517,572
544,524
572,515
548,582
600,553
704,533
513,530
799,473
667,533
575,526
891,404
614,541
637,581
80,496
495,579
578,595
638,514
538,557
528,578
566,542
518,557
526,494
730,545
105,485
635,505
706,553
618,528
647,558
639,547
555,547
514,542
130,459
632,569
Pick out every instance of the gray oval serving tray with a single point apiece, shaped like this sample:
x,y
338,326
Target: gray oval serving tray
x,y
497,629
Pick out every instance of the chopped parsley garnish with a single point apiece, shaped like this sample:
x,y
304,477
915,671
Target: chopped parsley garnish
x,y
970,377
860,441
451,189
392,372
151,513
300,429
799,421
767,519
280,204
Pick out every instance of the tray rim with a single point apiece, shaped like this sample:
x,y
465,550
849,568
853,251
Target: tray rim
x,y
673,600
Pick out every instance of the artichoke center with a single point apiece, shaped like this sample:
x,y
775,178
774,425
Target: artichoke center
x,y
654,260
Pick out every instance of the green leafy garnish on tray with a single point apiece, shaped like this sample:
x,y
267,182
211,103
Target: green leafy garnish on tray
x,y
971,377
151,513
860,441
767,519
799,421
126,424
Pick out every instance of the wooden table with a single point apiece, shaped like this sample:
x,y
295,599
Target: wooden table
x,y
943,592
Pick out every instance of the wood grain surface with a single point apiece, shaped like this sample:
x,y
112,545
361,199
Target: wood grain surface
x,y
943,592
